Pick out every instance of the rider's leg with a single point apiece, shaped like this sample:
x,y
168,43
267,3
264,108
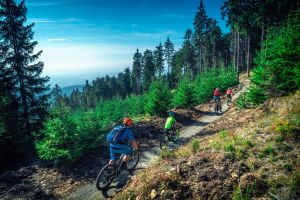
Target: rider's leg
x,y
112,156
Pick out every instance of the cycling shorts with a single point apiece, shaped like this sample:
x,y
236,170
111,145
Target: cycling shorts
x,y
115,152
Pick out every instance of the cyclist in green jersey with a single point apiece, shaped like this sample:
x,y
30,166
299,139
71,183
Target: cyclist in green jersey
x,y
169,125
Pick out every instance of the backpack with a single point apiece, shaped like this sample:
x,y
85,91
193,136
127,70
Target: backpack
x,y
114,136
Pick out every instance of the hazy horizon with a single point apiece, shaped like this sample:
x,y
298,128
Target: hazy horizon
x,y
85,39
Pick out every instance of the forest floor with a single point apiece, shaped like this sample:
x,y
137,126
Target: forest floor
x,y
41,180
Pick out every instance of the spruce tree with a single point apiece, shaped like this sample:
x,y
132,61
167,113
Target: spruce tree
x,y
56,96
149,69
189,55
136,75
200,26
17,38
159,60
169,53
158,98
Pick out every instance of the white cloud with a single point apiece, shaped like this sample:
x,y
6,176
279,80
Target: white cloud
x,y
58,40
46,20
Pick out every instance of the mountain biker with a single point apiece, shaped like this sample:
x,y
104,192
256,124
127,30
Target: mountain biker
x,y
122,146
217,96
169,125
229,92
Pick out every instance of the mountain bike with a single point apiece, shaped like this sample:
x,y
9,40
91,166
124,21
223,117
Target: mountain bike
x,y
229,101
217,107
171,135
110,171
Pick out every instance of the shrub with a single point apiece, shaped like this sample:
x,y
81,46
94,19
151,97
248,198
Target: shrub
x,y
158,98
184,95
195,145
277,66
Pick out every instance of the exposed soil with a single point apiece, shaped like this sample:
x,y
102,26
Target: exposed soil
x,y
43,180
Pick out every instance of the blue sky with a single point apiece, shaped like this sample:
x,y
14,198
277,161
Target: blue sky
x,y
84,39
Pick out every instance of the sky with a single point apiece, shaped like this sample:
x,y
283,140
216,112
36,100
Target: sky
x,y
85,39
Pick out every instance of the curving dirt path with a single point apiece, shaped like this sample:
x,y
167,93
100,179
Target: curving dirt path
x,y
89,192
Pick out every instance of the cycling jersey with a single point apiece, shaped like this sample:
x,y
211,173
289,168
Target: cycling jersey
x,y
229,92
169,123
217,93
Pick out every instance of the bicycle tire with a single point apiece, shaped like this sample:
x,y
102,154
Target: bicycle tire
x,y
216,109
164,142
134,160
107,174
175,136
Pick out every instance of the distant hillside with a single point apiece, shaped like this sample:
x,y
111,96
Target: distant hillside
x,y
68,90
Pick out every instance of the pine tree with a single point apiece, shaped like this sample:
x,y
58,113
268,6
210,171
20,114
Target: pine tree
x,y
136,75
185,94
200,26
169,53
158,99
159,60
56,96
149,69
16,37
189,54
176,68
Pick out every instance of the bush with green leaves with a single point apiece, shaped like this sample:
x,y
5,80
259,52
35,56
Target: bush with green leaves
x,y
210,79
185,94
158,98
68,135
277,69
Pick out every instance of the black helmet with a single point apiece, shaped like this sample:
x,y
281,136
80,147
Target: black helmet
x,y
171,113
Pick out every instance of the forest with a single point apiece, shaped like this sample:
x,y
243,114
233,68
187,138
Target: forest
x,y
36,119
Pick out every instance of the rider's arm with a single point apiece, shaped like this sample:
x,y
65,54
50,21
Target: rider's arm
x,y
135,145
132,140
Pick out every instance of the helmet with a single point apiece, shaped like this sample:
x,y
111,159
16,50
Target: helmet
x,y
171,113
127,121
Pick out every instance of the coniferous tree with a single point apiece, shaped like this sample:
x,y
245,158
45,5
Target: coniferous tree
x,y
56,96
149,69
126,82
212,42
17,38
88,100
169,53
176,67
136,75
158,99
200,27
159,60
188,53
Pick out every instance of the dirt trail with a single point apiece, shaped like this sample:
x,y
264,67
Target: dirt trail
x,y
89,192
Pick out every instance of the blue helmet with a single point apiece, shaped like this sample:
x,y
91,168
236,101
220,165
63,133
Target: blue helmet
x,y
171,113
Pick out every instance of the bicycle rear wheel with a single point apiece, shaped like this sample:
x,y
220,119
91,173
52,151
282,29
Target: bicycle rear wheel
x,y
133,160
229,102
175,135
164,142
216,109
105,177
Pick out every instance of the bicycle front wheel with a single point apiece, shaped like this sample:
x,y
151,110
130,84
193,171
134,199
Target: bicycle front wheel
x,y
175,136
105,177
133,160
164,142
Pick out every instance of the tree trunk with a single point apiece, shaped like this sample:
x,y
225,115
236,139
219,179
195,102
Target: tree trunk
x,y
234,51
262,38
238,55
248,56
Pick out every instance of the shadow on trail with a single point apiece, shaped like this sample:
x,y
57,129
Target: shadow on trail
x,y
119,182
